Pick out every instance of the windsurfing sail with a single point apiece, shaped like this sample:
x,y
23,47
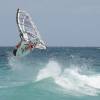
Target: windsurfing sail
x,y
29,30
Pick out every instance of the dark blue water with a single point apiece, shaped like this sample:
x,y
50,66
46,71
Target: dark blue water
x,y
57,73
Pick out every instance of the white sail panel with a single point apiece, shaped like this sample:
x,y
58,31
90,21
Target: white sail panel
x,y
28,28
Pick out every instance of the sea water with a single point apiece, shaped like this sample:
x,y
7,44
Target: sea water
x,y
57,73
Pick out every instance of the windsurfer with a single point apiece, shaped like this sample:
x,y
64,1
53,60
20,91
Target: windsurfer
x,y
29,35
30,45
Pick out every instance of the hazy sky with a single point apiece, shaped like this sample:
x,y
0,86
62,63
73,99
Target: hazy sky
x,y
60,22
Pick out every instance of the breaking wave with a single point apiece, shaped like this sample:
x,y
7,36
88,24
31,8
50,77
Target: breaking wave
x,y
70,79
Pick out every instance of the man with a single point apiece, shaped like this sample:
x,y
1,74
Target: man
x,y
18,45
30,45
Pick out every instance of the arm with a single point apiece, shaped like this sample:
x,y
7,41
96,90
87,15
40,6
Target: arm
x,y
21,36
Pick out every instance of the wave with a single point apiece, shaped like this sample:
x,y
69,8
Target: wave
x,y
17,73
70,79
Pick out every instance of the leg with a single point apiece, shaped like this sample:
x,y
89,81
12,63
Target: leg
x,y
18,45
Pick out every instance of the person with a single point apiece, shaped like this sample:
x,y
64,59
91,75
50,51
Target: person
x,y
18,45
30,45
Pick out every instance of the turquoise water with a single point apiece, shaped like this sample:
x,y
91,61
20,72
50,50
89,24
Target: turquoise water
x,y
58,73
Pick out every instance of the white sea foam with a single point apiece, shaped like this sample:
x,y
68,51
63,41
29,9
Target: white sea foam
x,y
20,73
71,80
51,70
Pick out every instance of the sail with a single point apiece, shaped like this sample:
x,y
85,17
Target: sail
x,y
29,30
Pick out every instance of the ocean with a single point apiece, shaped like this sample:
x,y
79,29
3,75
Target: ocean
x,y
57,73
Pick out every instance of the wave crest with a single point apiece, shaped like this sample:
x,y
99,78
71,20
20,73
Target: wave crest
x,y
70,80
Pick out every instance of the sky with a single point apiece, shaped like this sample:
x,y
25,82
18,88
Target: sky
x,y
60,22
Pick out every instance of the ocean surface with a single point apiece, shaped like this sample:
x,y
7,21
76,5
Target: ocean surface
x,y
57,73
